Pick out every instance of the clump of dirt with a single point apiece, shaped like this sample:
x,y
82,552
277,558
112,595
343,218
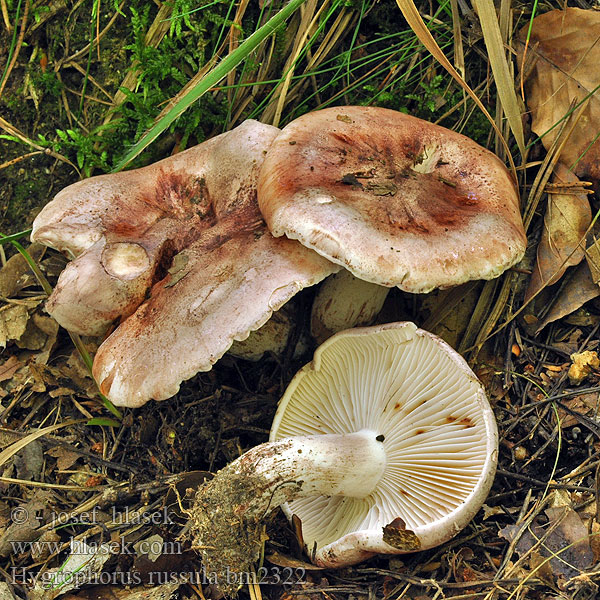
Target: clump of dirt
x,y
227,520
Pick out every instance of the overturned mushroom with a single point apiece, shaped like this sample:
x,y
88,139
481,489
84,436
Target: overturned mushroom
x,y
396,200
385,443
124,229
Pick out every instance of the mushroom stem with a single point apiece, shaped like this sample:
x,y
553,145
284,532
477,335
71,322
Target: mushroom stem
x,y
229,509
331,465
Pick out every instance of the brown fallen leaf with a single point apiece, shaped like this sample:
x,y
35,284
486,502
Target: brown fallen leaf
x,y
586,405
578,290
13,322
65,458
568,217
559,550
592,256
564,53
25,523
9,367
15,273
159,591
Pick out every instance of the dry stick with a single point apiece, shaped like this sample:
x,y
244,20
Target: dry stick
x,y
13,131
15,55
10,163
79,68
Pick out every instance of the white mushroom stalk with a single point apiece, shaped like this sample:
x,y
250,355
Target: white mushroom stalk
x,y
385,443
348,464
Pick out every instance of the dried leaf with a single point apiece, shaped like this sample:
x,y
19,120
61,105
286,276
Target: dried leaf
x,y
61,391
592,255
82,566
566,222
29,461
451,311
579,289
165,591
569,540
565,53
9,367
13,321
13,273
289,562
586,405
25,523
560,549
65,458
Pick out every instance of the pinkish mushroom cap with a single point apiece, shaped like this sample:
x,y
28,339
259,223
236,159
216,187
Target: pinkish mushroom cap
x,y
225,285
187,232
125,228
394,199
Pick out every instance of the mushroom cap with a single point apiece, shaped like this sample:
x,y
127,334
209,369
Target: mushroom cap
x,y
124,228
219,289
439,435
394,199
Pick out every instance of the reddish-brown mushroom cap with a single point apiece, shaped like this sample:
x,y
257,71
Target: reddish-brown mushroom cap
x,y
394,199
225,285
125,228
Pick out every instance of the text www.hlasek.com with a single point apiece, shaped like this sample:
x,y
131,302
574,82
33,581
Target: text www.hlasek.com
x,y
119,546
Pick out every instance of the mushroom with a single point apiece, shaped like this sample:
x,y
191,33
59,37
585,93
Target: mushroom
x,y
186,234
123,229
225,285
396,200
385,443
342,302
219,289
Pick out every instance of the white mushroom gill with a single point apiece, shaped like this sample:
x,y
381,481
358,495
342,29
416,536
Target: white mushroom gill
x,y
438,431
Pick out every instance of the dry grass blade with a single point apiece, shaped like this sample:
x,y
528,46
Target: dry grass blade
x,y
311,12
459,55
234,41
481,310
500,68
13,131
19,445
412,16
16,50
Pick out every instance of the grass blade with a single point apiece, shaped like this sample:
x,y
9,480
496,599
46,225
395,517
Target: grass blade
x,y
413,18
211,79
502,75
